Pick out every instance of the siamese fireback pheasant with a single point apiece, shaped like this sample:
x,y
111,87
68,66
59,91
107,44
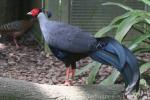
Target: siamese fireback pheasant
x,y
70,43
16,28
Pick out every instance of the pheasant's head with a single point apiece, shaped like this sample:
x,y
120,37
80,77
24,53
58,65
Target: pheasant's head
x,y
35,12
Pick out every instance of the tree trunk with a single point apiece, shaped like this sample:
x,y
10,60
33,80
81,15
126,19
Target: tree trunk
x,y
11,89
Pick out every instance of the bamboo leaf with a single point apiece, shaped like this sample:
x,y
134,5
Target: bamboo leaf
x,y
92,75
111,78
144,67
138,40
104,30
118,4
125,26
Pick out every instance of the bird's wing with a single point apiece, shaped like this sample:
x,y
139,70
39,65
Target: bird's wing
x,y
71,38
11,27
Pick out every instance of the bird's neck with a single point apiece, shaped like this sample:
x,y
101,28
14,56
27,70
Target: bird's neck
x,y
42,18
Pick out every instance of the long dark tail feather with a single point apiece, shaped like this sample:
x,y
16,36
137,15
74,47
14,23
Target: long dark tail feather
x,y
134,71
115,48
105,58
113,53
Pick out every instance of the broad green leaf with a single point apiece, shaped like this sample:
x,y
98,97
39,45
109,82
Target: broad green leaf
x,y
85,68
138,40
146,2
92,75
111,78
104,30
125,26
118,4
144,67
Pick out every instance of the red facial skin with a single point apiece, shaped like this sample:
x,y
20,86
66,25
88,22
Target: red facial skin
x,y
35,12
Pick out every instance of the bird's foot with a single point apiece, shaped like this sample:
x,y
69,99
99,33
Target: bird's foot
x,y
17,46
15,41
68,83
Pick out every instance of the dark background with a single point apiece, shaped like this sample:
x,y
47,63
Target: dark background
x,y
13,10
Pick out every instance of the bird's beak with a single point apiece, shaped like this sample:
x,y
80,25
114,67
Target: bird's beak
x,y
29,13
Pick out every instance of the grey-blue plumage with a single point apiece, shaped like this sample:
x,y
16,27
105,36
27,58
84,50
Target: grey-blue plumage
x,y
70,44
66,37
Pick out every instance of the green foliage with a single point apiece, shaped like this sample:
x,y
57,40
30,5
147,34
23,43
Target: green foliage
x,y
85,68
94,67
92,75
132,19
144,67
147,2
104,30
37,34
143,83
142,50
138,40
111,78
125,26
39,38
